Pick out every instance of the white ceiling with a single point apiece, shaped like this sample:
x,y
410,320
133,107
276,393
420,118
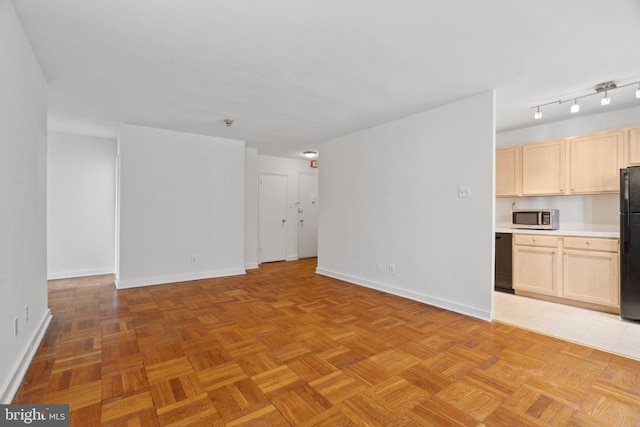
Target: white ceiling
x,y
293,73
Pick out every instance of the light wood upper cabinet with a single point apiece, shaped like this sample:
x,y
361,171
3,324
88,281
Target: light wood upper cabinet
x,y
586,164
634,146
508,172
595,162
544,168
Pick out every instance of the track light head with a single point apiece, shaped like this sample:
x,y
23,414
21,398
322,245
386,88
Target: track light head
x,y
575,107
538,114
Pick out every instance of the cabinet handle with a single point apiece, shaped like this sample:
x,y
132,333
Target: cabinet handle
x,y
588,242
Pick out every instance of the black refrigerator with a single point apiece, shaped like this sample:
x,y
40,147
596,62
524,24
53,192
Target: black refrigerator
x,y
630,243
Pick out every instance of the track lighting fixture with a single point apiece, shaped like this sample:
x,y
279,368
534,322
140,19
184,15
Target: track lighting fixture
x,y
605,87
538,114
575,107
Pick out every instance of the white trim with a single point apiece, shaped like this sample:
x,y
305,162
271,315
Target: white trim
x,y
251,265
292,257
81,273
437,302
163,280
11,387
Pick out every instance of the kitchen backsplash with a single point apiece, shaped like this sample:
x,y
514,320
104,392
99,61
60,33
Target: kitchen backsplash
x,y
600,209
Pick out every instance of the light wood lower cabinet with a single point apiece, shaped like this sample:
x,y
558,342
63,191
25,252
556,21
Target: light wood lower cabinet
x,y
570,268
590,270
536,262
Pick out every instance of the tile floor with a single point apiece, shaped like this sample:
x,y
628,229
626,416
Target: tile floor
x,y
600,330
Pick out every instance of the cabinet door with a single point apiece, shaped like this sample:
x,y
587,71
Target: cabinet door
x,y
508,172
595,162
543,168
634,146
591,276
536,269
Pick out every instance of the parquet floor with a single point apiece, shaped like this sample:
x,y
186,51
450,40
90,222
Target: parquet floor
x,y
283,346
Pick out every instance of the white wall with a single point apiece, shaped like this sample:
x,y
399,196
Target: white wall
x,y
390,196
291,168
251,209
600,210
81,205
181,195
23,217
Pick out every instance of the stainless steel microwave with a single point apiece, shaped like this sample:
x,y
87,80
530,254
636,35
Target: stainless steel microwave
x,y
537,219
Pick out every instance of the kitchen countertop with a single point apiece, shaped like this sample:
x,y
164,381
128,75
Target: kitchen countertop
x,y
582,230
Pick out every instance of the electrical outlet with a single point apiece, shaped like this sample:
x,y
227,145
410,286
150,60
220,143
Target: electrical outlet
x,y
392,269
193,259
464,192
26,313
15,327
378,267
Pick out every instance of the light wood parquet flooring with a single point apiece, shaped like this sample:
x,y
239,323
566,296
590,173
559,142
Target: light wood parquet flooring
x,y
283,346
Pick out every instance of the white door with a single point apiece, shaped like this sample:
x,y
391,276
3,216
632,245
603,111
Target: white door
x,y
273,217
307,215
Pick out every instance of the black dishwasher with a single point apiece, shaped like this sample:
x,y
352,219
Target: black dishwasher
x,y
504,266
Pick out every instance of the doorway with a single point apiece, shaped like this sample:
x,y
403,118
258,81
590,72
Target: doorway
x,y
307,215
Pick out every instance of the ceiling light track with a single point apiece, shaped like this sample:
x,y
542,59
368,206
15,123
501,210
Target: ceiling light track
x,y
605,87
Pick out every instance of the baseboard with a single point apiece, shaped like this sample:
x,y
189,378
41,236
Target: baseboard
x,y
568,301
9,391
163,280
79,273
415,296
250,266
